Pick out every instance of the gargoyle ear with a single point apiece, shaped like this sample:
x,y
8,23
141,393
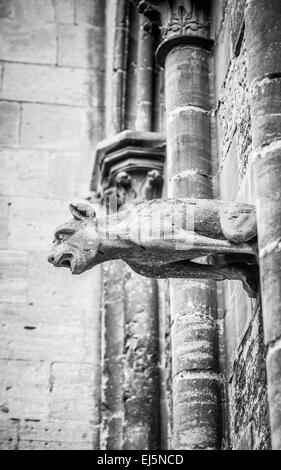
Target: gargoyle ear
x,y
82,210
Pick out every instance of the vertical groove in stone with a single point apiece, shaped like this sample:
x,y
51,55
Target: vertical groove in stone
x,y
193,303
144,80
116,67
263,42
158,115
113,289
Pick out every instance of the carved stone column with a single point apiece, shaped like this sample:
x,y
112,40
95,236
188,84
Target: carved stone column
x,y
184,53
263,42
130,169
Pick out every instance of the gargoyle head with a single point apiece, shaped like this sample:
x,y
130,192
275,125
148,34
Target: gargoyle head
x,y
76,244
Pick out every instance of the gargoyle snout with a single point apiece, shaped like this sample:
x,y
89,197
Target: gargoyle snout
x,y
51,259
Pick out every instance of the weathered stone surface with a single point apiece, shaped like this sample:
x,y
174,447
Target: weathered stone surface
x,y
223,56
81,46
113,366
27,10
249,425
44,174
9,123
182,157
207,228
268,174
165,366
58,85
274,384
64,290
45,319
73,395
13,276
191,81
142,79
56,127
230,337
245,440
234,117
130,418
9,433
266,106
25,42
28,230
229,187
263,30
68,174
57,445
29,332
196,411
1,75
217,17
61,432
244,312
197,184
31,168
57,176
181,23
64,10
89,12
237,8
21,380
196,146
4,222
141,412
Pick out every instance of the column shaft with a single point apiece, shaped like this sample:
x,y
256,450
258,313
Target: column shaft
x,y
193,303
141,393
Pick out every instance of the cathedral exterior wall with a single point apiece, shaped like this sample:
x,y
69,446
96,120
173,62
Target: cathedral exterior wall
x,y
244,351
51,118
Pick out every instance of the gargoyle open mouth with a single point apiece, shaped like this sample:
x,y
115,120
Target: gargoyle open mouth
x,y
66,261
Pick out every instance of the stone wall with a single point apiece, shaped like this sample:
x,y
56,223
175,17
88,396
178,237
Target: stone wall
x,y
52,83
51,117
247,420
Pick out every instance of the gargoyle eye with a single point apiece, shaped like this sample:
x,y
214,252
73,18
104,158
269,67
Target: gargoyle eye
x,y
61,236
64,233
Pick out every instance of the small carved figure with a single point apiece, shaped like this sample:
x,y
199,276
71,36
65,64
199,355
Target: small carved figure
x,y
164,238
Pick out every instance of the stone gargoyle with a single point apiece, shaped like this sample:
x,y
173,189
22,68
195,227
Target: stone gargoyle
x,y
164,238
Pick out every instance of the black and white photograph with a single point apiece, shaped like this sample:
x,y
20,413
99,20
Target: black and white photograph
x,y
140,228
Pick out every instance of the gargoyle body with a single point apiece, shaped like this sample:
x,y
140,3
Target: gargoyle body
x,y
164,238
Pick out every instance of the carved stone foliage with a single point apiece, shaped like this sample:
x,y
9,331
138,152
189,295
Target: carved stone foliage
x,y
164,238
179,22
177,17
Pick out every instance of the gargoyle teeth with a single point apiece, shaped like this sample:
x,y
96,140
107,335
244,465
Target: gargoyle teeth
x,y
66,261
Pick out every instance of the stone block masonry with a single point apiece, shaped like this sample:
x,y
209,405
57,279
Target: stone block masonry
x,y
51,117
247,424
57,85
263,43
9,123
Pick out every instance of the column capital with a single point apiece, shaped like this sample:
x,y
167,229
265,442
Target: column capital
x,y
179,22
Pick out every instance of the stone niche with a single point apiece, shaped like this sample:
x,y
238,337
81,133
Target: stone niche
x,y
129,166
